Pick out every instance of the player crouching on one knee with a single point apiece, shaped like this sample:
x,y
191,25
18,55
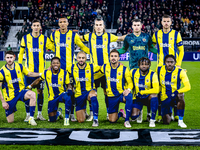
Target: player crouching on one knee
x,y
12,83
83,80
170,78
119,86
56,81
145,89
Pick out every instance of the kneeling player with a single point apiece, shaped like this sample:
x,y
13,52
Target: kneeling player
x,y
170,78
11,76
116,77
83,76
56,80
145,89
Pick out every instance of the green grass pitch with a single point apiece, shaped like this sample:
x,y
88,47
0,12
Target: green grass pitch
x,y
191,118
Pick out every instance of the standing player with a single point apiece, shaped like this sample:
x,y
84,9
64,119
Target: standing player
x,y
170,78
168,42
99,42
56,79
11,78
145,88
64,41
35,45
116,77
139,45
83,76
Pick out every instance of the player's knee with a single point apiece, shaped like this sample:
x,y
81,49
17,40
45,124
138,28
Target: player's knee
x,y
166,119
81,120
181,96
32,96
112,120
152,96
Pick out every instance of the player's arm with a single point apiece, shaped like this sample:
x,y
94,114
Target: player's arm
x,y
121,38
186,82
81,45
21,52
29,74
37,81
4,103
154,39
124,48
50,45
155,86
180,49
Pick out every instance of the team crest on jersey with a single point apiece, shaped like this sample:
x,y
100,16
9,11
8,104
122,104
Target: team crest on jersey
x,y
174,77
41,43
105,39
18,72
68,38
119,73
171,38
87,71
147,80
60,79
144,40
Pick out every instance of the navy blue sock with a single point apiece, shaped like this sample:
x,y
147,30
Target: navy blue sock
x,y
154,107
40,100
95,106
32,111
27,106
135,117
180,113
106,101
73,103
57,114
128,106
68,104
52,118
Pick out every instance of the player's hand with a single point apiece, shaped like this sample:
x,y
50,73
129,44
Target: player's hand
x,y
126,92
69,92
121,64
49,68
5,105
173,96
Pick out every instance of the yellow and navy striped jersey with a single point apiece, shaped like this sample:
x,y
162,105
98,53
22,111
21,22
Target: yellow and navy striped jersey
x,y
100,46
145,84
12,80
170,81
168,44
83,78
116,78
35,49
64,44
56,83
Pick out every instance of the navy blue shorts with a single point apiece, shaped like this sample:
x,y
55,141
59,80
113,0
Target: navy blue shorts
x,y
166,106
13,102
113,103
139,103
53,104
29,80
81,101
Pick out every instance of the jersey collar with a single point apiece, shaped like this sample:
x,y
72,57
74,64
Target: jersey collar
x,y
35,37
166,33
54,73
80,68
116,67
10,69
64,33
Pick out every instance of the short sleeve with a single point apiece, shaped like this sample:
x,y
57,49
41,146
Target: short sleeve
x,y
67,81
23,45
113,38
86,37
43,75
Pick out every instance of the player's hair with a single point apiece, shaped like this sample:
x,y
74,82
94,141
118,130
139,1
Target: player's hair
x,y
81,52
170,56
137,20
36,20
55,58
10,52
166,16
99,18
63,17
114,51
144,59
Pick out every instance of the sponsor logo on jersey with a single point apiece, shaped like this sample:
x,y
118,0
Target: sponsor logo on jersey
x,y
98,46
113,80
54,85
35,50
167,83
14,80
82,79
165,45
62,45
138,47
141,85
